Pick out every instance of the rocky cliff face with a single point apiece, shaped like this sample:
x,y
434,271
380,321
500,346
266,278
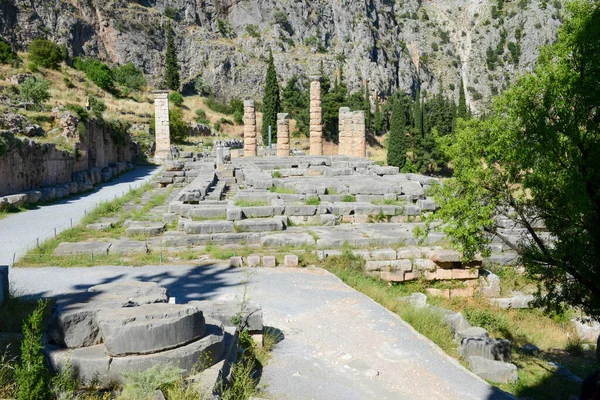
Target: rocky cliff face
x,y
391,43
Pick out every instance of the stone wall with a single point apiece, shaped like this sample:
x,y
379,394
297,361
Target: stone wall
x,y
352,133
28,165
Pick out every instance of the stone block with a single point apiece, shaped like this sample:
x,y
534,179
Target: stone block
x,y
417,300
427,205
519,301
290,260
389,265
411,276
491,349
208,227
494,371
100,226
234,213
462,292
228,312
390,276
155,327
456,321
382,254
300,210
474,331
236,262
269,261
439,292
259,225
169,218
423,264
141,228
258,212
124,247
411,252
82,248
253,261
490,284
465,273
212,212
4,283
440,256
438,275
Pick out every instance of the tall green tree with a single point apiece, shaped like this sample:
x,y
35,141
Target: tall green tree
x,y
377,119
367,107
271,102
171,65
335,98
398,142
295,101
536,160
418,113
462,110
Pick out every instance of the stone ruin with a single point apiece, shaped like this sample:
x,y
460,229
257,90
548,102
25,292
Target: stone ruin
x,y
129,326
352,133
316,118
163,132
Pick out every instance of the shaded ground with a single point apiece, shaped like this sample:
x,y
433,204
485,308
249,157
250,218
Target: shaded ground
x,y
337,343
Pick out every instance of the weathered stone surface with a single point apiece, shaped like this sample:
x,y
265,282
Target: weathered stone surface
x,y
79,248
253,261
100,226
208,212
205,227
4,283
456,321
389,265
423,264
258,212
587,329
142,228
300,210
234,213
471,332
125,246
290,260
417,300
531,349
269,261
495,371
236,262
518,301
491,349
75,325
149,328
259,225
228,312
490,284
410,252
382,254
444,256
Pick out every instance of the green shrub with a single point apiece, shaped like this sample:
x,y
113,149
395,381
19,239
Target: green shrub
x,y
202,87
143,385
347,261
79,110
176,98
129,76
201,113
171,12
486,319
218,127
313,201
238,117
216,106
97,72
31,374
348,198
35,91
97,106
276,174
253,31
46,54
7,55
226,121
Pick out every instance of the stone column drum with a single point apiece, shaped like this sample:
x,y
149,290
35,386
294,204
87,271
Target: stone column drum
x,y
345,134
163,132
359,134
352,136
249,129
283,135
316,118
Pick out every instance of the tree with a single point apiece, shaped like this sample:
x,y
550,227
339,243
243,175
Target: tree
x,y
171,64
294,100
129,76
418,113
97,72
367,107
534,160
46,54
462,111
397,144
32,374
35,91
377,122
7,55
271,102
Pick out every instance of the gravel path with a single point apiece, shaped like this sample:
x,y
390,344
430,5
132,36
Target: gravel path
x,y
20,231
337,343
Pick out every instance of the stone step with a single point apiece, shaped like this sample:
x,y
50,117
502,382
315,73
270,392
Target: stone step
x,y
260,225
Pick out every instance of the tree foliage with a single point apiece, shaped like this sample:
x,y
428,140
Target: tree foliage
x,y
7,55
35,91
462,111
271,102
129,76
295,101
536,160
97,72
171,65
46,54
397,144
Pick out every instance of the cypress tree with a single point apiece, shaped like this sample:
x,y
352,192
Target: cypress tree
x,y
171,65
377,123
271,102
397,143
462,111
418,113
367,107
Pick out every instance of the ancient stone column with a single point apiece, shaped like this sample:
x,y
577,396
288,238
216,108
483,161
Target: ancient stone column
x,y
283,135
249,129
316,118
352,136
163,133
219,154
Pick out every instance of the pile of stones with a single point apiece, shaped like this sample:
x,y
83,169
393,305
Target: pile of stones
x,y
129,326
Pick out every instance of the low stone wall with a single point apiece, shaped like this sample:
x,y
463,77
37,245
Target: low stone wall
x,y
27,165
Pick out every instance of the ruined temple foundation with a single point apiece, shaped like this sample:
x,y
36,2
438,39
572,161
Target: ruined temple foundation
x,y
352,133
316,118
249,129
163,133
283,135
